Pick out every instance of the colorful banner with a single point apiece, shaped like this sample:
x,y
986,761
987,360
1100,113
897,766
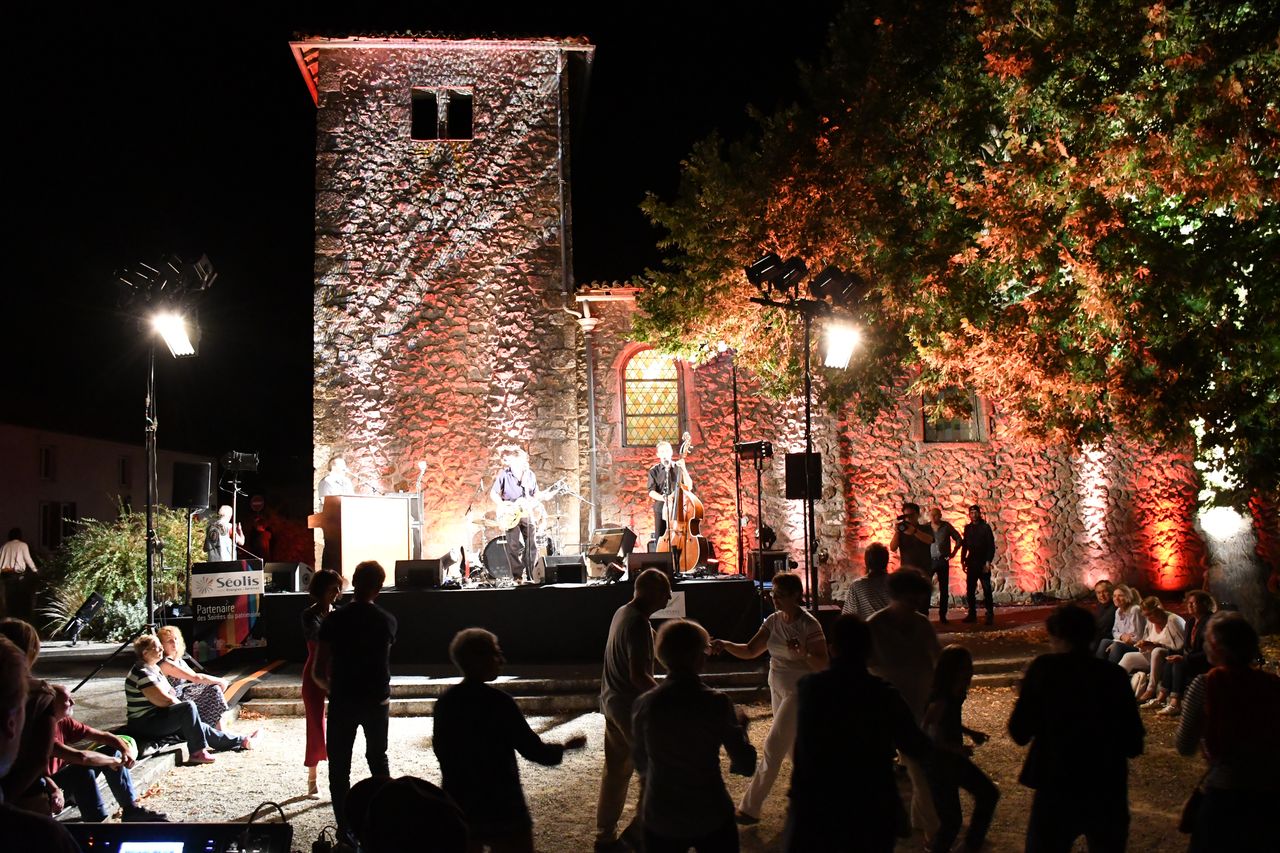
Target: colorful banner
x,y
225,601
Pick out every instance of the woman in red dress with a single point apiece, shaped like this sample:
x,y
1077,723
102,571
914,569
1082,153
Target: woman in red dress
x,y
325,587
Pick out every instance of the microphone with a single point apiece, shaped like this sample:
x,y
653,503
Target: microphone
x,y
422,465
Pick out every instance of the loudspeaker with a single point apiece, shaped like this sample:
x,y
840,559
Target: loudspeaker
x,y
288,577
418,574
564,568
610,542
762,566
638,561
795,476
192,482
82,618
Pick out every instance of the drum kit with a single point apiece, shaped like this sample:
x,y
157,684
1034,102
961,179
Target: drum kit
x,y
494,568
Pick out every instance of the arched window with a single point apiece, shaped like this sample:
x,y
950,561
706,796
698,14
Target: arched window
x,y
651,399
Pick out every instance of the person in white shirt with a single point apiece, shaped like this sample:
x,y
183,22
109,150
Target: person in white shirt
x,y
1164,633
19,572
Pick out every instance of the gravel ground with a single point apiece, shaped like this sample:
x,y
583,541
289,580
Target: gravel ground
x,y
563,798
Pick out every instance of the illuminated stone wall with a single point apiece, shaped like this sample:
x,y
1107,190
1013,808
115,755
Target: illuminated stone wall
x,y
1062,519
439,329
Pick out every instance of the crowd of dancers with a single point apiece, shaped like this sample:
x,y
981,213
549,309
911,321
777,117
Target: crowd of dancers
x,y
874,696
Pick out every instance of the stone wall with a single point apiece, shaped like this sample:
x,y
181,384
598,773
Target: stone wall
x,y
1062,519
439,325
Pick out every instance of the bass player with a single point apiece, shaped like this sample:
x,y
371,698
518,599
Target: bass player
x,y
662,485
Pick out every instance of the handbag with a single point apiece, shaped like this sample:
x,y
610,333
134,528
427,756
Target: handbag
x,y
1191,808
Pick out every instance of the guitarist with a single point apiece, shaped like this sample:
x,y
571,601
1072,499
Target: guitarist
x,y
516,483
662,484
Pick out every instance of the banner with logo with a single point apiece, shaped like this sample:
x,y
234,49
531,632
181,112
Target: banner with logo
x,y
226,601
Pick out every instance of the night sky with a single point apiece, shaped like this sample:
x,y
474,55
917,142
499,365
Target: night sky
x,y
136,135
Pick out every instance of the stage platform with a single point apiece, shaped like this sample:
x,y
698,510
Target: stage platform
x,y
559,623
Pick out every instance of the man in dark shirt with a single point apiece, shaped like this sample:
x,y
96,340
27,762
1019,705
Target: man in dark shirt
x,y
353,665
679,727
663,478
478,731
1080,717
849,722
946,540
1105,616
911,539
977,552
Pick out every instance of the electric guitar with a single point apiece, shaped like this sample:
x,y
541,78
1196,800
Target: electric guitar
x,y
511,513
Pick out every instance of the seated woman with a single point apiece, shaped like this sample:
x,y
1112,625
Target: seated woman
x,y
1184,664
1126,629
1165,632
155,711
207,692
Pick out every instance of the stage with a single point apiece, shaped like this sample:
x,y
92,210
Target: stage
x,y
566,623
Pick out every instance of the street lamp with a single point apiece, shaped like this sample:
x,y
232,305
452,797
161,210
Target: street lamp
x,y
158,293
771,273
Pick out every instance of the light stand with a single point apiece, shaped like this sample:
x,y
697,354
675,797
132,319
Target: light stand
x,y
152,540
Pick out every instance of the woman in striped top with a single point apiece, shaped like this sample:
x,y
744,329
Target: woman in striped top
x,y
154,710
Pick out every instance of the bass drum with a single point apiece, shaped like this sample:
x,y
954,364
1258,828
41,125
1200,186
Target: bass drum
x,y
494,558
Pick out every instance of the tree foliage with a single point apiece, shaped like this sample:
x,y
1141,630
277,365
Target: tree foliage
x,y
1072,207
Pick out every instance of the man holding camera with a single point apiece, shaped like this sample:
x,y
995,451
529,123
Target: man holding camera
x,y
911,539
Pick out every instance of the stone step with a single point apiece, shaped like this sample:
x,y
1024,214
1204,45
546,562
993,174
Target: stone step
x,y
538,706
1016,665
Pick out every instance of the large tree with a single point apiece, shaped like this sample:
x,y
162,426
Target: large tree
x,y
1072,207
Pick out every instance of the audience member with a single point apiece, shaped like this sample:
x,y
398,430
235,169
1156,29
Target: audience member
x,y
848,723
208,692
628,672
1082,722
904,649
18,572
359,798
19,829
27,785
952,768
678,729
477,732
1232,711
946,541
1165,631
977,554
76,771
796,647
1105,614
324,589
353,666
1126,629
412,814
1183,665
154,711
870,592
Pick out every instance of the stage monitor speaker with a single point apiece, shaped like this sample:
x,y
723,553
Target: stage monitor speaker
x,y
419,574
192,483
638,561
608,543
287,577
565,568
763,565
795,476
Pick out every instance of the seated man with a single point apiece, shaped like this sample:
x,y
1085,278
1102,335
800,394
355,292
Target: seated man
x,y
478,731
76,770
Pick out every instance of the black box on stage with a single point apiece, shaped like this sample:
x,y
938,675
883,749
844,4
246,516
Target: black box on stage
x,y
288,577
763,565
638,561
191,484
795,476
565,568
419,574
608,543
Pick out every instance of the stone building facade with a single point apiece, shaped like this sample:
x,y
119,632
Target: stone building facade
x,y
443,329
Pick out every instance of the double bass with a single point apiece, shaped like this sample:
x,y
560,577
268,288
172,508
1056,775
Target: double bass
x,y
684,512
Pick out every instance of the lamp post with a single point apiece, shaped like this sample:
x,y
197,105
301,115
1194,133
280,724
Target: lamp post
x,y
771,273
160,293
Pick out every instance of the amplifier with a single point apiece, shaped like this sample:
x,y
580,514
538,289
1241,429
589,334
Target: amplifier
x,y
287,577
419,574
638,561
565,568
182,837
763,565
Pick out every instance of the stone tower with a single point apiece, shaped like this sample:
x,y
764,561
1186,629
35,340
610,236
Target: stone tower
x,y
443,265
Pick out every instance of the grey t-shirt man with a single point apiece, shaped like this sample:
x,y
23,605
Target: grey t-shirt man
x,y
630,639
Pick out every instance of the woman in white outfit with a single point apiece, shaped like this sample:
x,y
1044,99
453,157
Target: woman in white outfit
x,y
1164,633
796,647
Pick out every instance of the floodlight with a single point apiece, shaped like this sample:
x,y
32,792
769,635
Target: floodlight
x,y
764,270
791,273
179,336
843,338
828,283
